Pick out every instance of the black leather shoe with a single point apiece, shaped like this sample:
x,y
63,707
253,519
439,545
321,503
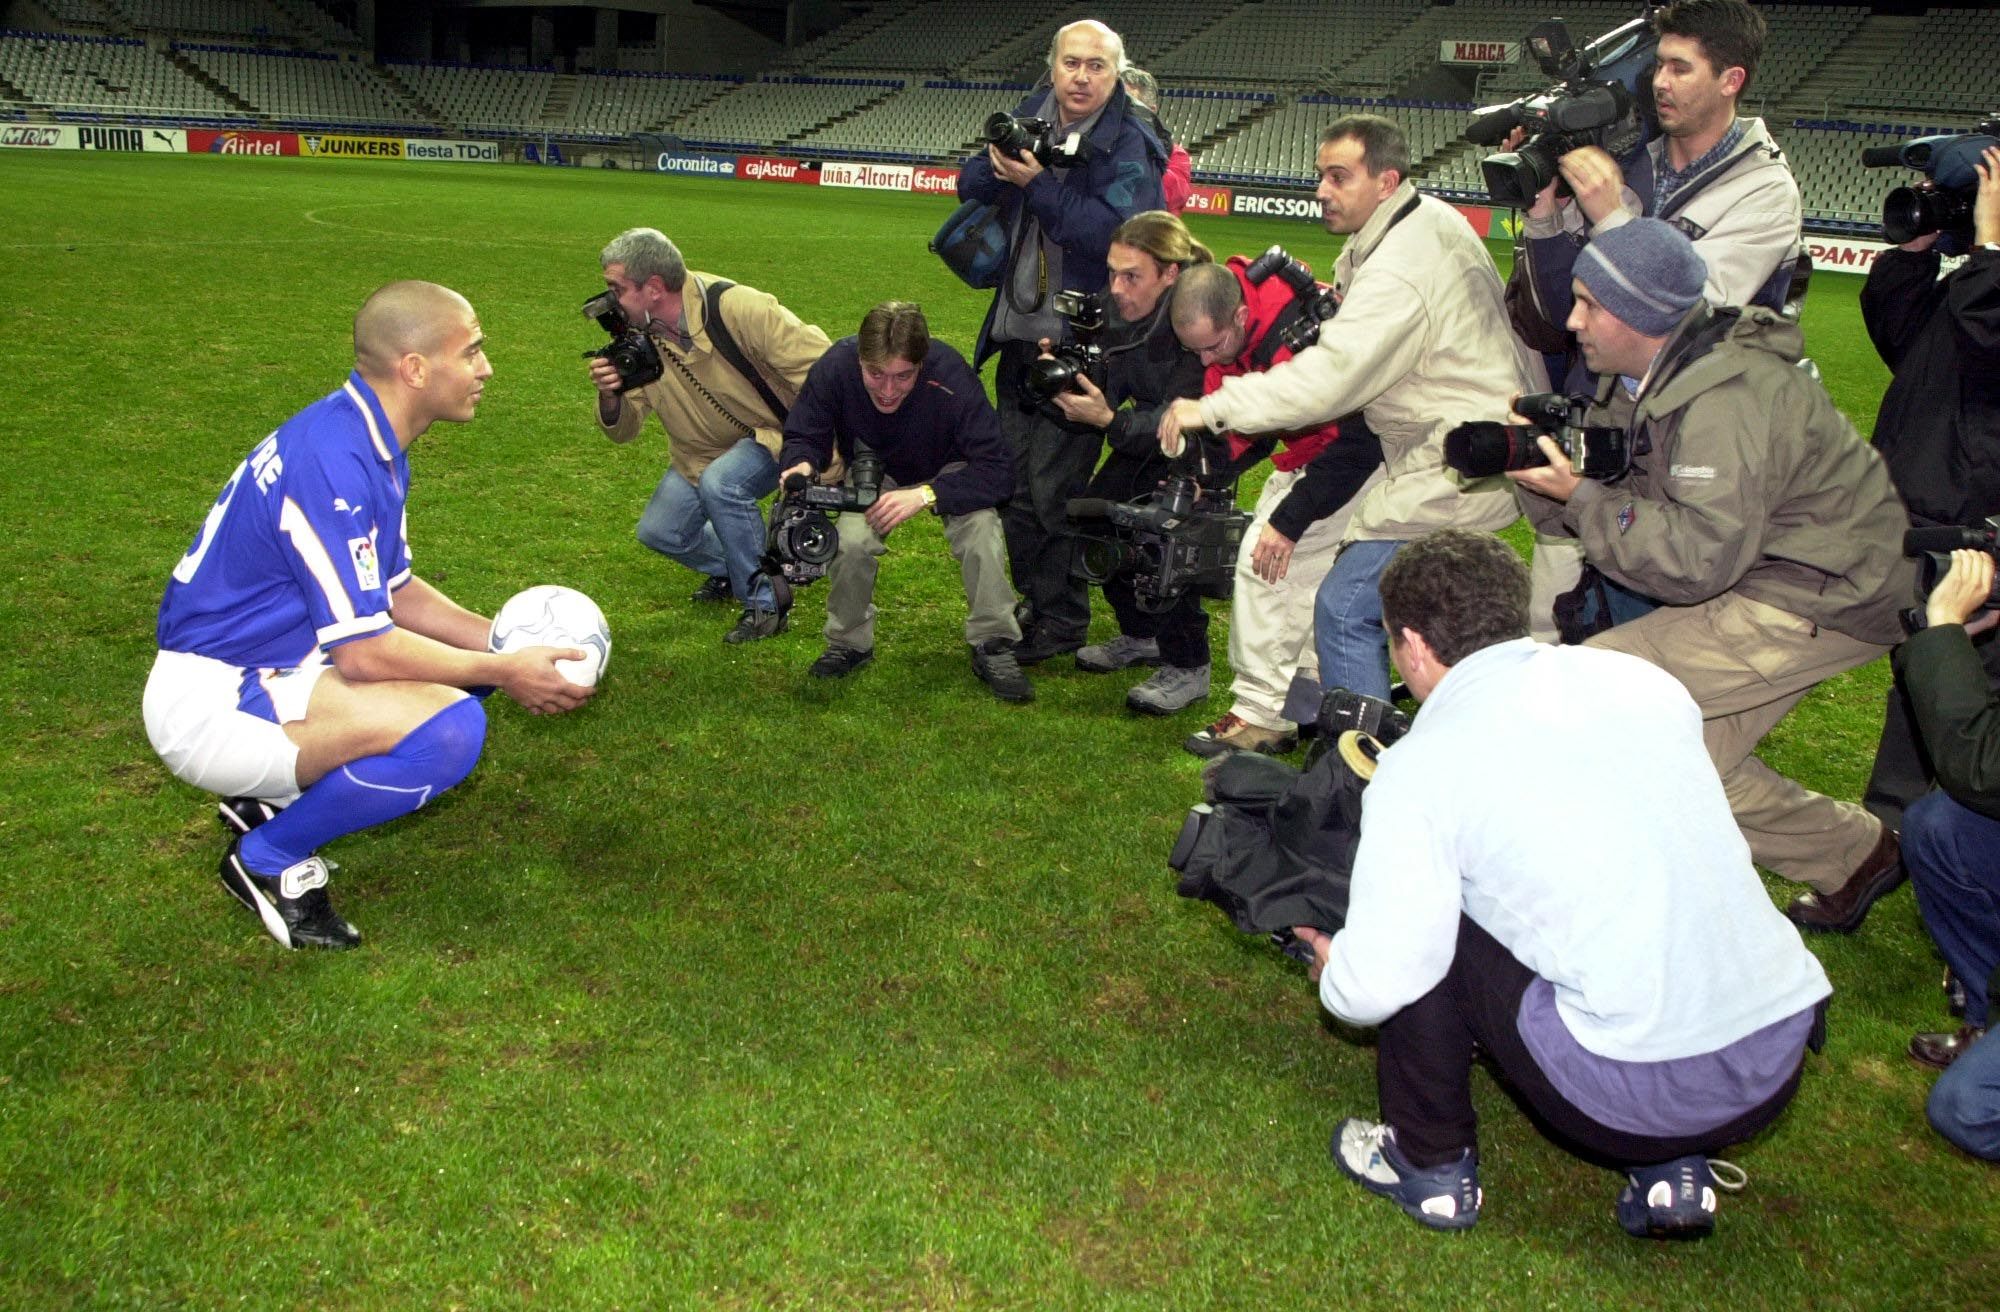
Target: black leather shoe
x,y
755,625
1938,1051
837,662
1843,910
714,588
994,662
1040,644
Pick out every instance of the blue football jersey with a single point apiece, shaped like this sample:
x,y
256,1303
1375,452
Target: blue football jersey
x,y
304,546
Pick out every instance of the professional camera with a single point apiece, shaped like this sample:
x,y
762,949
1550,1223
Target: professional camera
x,y
631,352
1341,709
1931,548
1316,303
1080,357
1942,202
1172,541
1603,96
1033,137
802,540
1480,448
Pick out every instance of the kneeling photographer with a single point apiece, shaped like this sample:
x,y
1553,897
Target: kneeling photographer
x,y
1939,425
916,406
1951,841
1142,366
1759,519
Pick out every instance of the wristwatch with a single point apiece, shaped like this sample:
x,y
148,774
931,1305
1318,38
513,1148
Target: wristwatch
x,y
930,495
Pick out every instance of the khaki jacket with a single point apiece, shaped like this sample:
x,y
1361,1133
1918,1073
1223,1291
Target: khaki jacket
x,y
705,405
1745,478
1420,345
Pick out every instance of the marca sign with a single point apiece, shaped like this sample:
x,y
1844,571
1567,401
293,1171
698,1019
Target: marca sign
x,y
1208,200
474,152
706,166
874,177
1478,52
764,168
37,136
202,141
934,182
353,147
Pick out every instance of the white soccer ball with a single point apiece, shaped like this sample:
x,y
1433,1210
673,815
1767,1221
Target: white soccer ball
x,y
554,616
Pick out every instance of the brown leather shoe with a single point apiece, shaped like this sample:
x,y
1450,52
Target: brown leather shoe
x,y
1843,910
1940,1050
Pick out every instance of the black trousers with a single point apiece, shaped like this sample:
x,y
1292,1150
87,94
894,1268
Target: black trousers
x,y
1423,1073
1052,465
1181,629
1903,771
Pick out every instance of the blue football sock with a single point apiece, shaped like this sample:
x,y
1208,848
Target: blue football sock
x,y
373,790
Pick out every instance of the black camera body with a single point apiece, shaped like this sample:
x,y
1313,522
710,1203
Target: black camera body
x,y
1080,357
631,352
1942,202
1316,304
1931,548
1603,96
1481,448
1032,137
802,540
1179,539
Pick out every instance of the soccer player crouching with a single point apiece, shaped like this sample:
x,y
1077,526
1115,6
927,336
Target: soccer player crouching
x,y
304,673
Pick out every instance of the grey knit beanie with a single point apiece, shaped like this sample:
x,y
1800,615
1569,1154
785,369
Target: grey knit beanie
x,y
1646,272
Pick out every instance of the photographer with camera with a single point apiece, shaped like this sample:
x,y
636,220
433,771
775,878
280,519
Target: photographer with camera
x,y
728,361
1245,317
892,391
1939,425
1070,165
1753,511
1951,841
1144,367
1625,972
1421,337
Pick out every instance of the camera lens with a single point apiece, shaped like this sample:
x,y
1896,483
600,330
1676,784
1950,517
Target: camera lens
x,y
1514,177
1912,212
1048,375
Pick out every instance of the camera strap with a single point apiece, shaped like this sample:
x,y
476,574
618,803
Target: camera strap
x,y
726,346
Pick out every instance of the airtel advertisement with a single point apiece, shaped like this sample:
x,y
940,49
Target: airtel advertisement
x,y
202,141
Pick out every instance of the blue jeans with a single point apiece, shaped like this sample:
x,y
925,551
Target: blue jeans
x,y
714,527
1965,1101
1953,856
1347,620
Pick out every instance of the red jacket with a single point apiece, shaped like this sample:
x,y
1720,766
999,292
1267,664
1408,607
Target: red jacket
x,y
1266,300
1178,180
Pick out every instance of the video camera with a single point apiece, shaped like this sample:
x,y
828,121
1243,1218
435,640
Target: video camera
x,y
802,540
631,352
1603,96
1931,548
1942,202
1481,448
1034,137
1172,541
1316,304
1080,357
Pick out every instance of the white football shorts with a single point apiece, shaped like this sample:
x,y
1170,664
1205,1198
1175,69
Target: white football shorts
x,y
220,727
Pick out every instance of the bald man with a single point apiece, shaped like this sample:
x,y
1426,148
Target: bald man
x,y
305,675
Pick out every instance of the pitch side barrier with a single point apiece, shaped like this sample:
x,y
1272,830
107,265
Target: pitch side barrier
x,y
130,137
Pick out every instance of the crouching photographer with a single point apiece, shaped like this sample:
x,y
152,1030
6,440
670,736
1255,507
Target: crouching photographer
x,y
916,405
1624,970
1951,841
1143,367
1939,425
1758,519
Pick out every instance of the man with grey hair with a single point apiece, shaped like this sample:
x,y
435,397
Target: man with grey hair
x,y
1060,215
734,362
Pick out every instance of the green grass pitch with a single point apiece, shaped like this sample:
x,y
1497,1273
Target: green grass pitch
x,y
730,991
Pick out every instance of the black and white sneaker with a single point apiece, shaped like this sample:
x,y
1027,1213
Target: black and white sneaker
x,y
293,906
239,815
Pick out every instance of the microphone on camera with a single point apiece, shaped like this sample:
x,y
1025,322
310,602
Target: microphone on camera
x,y
1950,537
1088,508
793,482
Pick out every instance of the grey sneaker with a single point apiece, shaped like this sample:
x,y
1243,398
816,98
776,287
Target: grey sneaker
x,y
1120,653
993,661
755,625
1172,688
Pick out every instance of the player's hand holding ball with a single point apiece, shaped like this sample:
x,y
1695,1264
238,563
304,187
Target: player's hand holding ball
x,y
562,643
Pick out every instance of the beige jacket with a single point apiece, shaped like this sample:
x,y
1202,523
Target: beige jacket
x,y
705,405
1420,345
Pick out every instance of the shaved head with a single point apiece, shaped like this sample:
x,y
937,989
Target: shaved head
x,y
404,318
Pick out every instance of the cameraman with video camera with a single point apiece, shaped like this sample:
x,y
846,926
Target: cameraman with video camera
x,y
1939,425
892,391
1951,840
725,363
1752,510
1240,318
1073,163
